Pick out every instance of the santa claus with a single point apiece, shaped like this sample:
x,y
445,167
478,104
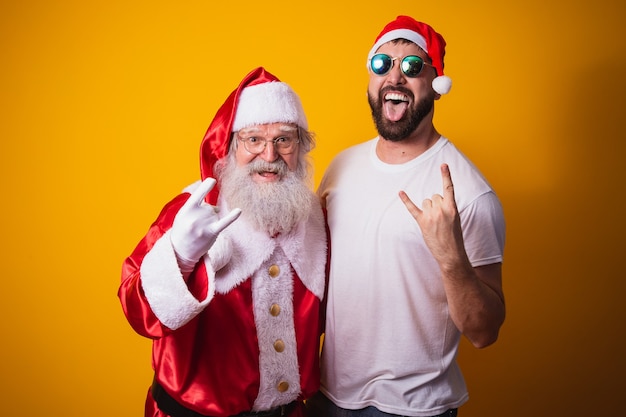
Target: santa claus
x,y
229,278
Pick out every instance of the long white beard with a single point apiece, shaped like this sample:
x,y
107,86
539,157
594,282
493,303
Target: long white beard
x,y
274,207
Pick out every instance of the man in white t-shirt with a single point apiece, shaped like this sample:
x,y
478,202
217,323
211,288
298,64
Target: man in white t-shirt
x,y
417,240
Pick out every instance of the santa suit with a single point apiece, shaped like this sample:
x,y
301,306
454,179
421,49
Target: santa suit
x,y
241,333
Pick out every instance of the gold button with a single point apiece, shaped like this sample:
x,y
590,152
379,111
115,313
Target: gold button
x,y
282,386
275,310
279,345
274,270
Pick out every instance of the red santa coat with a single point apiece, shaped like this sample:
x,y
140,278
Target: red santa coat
x,y
242,332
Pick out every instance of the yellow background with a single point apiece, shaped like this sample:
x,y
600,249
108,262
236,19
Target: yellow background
x,y
104,104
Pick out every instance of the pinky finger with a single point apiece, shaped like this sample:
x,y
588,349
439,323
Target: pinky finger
x,y
413,209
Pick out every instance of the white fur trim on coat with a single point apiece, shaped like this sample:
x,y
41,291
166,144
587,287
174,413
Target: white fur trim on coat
x,y
305,248
166,290
251,254
275,366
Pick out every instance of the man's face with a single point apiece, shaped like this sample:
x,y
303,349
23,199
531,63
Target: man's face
x,y
269,187
400,103
256,147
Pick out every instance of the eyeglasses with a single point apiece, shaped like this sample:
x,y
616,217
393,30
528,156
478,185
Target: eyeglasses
x,y
411,65
284,145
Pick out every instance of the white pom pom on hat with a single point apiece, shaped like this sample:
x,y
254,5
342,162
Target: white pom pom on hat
x,y
424,36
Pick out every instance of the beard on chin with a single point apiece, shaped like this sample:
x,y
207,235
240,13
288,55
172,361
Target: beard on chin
x,y
273,207
397,131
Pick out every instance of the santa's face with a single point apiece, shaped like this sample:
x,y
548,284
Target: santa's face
x,y
269,187
400,103
267,148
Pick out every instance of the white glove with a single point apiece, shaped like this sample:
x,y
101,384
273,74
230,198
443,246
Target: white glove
x,y
197,225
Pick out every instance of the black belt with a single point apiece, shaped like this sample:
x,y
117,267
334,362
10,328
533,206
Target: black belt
x,y
173,408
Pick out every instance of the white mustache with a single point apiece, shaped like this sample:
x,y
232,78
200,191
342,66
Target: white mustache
x,y
259,165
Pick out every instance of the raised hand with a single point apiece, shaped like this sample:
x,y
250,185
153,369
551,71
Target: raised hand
x,y
439,221
197,225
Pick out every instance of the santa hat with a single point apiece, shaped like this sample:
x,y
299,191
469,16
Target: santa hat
x,y
424,36
260,98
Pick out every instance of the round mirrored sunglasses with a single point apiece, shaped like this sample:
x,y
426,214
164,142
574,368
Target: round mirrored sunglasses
x,y
411,65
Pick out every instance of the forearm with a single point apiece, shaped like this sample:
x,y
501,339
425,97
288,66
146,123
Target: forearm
x,y
154,294
476,301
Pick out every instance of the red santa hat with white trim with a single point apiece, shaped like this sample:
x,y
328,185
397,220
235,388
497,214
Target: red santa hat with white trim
x,y
260,98
424,36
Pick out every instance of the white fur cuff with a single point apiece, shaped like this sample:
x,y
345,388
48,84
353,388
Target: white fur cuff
x,y
165,288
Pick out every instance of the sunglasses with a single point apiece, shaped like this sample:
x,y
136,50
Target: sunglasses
x,y
411,65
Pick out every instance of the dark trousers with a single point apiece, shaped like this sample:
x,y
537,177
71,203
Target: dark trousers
x,y
320,406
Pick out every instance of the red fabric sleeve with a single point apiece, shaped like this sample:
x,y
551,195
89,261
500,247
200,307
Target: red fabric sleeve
x,y
134,303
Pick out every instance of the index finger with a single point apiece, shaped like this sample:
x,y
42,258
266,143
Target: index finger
x,y
197,197
448,186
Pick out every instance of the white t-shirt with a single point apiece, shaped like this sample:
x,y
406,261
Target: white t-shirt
x,y
390,341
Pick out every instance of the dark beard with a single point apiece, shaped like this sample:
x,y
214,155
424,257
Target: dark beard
x,y
397,131
275,207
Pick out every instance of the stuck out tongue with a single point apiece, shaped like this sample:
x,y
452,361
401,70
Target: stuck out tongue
x,y
395,110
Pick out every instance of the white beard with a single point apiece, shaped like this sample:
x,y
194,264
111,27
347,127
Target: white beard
x,y
274,207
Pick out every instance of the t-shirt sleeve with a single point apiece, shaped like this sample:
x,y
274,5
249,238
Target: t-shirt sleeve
x,y
483,227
